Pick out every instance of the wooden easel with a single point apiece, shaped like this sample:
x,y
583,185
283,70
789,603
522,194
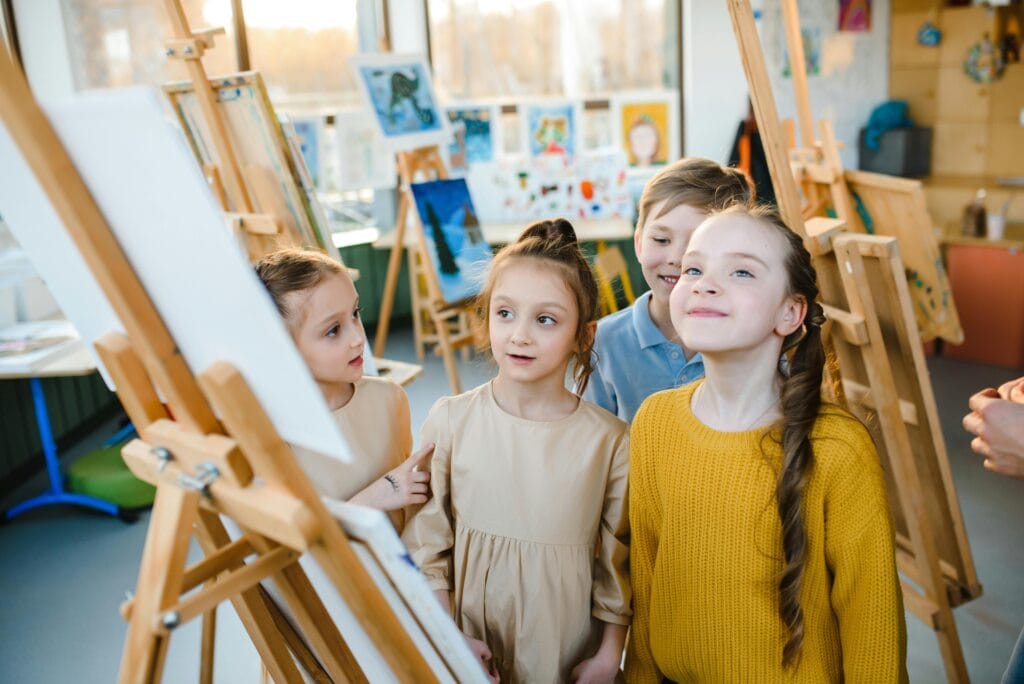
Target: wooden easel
x,y
896,205
434,320
219,455
262,231
881,367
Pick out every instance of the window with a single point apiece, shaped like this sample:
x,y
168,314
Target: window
x,y
514,48
116,43
302,48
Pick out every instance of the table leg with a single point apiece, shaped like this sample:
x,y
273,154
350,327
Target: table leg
x,y
55,494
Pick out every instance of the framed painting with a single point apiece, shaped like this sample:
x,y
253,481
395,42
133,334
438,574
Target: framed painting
x,y
399,92
551,128
647,127
476,136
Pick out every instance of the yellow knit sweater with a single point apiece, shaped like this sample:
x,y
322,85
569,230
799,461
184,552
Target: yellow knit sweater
x,y
707,551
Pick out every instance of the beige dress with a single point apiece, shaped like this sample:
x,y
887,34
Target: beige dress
x,y
528,528
375,423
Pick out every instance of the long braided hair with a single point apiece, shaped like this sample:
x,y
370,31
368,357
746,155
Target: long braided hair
x,y
802,375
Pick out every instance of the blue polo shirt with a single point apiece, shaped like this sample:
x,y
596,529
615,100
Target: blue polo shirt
x,y
633,360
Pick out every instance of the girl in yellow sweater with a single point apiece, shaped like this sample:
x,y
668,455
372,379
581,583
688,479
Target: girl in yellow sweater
x,y
762,546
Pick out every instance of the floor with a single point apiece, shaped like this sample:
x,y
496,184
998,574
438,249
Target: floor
x,y
65,571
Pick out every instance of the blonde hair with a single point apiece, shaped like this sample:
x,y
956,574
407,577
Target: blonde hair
x,y
697,182
551,242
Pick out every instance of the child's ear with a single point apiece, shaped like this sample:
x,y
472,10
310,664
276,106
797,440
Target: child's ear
x,y
638,236
791,316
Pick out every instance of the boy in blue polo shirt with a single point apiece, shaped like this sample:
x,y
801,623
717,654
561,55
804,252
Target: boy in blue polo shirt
x,y
637,350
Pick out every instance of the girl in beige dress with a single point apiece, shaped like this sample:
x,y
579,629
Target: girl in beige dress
x,y
320,306
525,536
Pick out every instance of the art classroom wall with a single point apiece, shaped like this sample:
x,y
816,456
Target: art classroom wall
x,y
854,73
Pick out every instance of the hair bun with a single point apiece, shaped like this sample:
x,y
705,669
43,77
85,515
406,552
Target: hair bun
x,y
557,231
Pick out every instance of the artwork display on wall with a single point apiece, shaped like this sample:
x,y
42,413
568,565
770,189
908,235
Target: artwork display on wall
x,y
400,94
647,127
476,135
812,52
455,242
854,15
551,128
365,160
593,186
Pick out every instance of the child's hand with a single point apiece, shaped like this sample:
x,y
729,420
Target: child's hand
x,y
481,651
401,487
599,669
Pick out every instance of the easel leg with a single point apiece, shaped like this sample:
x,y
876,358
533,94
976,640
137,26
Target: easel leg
x,y
391,281
949,647
252,609
447,352
207,647
307,659
416,300
160,580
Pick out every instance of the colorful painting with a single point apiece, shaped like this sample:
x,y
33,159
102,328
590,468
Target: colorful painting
x,y
854,15
551,128
365,159
812,52
593,185
455,241
399,92
647,126
474,135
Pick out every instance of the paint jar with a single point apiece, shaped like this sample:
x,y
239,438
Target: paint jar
x,y
996,226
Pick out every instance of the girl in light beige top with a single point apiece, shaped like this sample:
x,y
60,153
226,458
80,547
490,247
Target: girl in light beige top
x,y
525,536
319,304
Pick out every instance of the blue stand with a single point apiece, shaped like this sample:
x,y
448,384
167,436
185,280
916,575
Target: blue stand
x,y
55,494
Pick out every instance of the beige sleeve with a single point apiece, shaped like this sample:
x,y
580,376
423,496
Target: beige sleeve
x,y
611,592
428,532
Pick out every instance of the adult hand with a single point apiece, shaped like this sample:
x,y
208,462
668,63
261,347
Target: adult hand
x,y
1013,390
998,426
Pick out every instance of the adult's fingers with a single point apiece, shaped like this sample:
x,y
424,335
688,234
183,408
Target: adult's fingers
x,y
974,424
982,399
420,476
980,446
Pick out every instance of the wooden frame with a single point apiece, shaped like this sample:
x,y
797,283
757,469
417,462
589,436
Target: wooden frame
x,y
880,362
220,456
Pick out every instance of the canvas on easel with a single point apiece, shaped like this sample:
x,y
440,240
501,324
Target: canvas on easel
x,y
221,454
454,241
880,371
258,141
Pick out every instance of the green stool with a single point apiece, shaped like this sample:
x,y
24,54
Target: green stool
x,y
102,473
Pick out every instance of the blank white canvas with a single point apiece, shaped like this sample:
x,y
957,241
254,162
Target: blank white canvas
x,y
149,188
40,232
